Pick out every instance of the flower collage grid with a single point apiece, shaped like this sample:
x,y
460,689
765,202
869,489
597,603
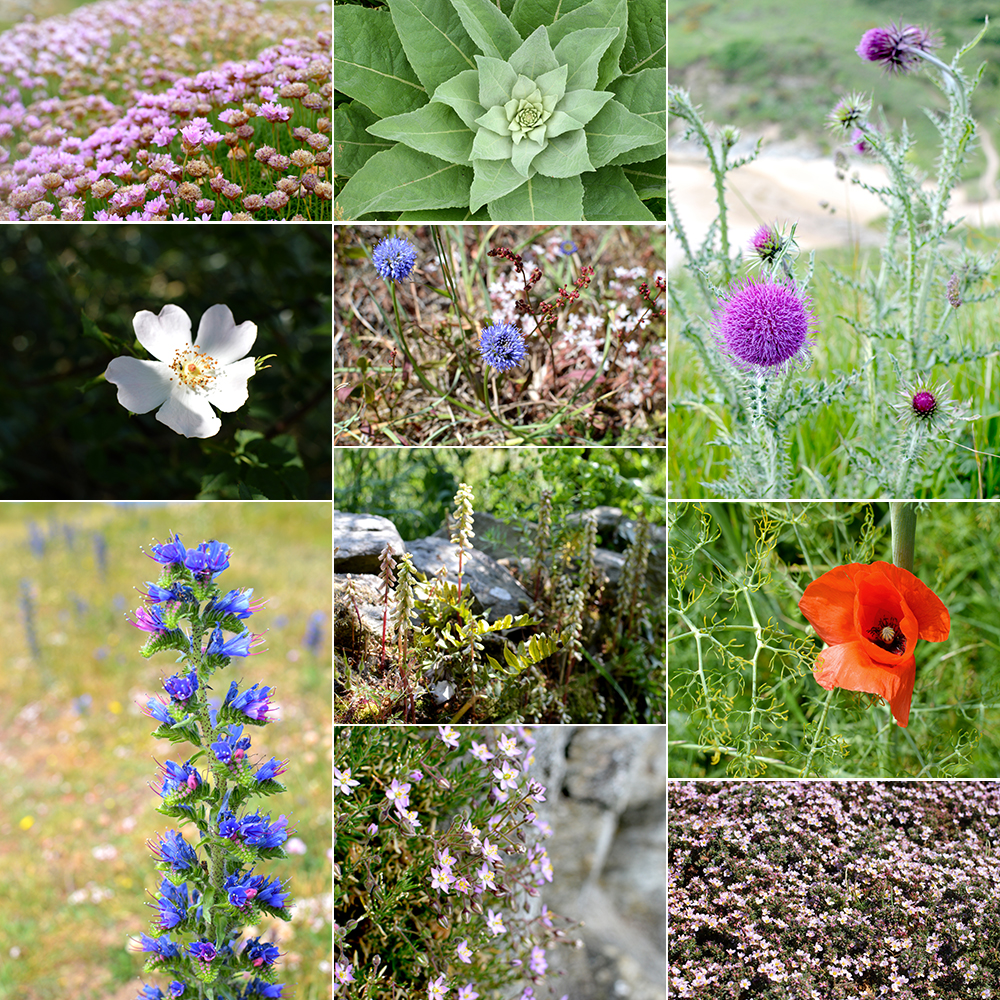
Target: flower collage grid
x,y
833,518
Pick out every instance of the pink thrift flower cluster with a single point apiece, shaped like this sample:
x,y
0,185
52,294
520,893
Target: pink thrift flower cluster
x,y
151,110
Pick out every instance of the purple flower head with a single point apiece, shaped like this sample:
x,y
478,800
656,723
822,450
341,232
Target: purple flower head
x,y
180,687
149,620
162,947
271,770
897,47
502,346
924,406
860,143
174,850
179,779
232,748
236,602
157,708
763,326
208,560
238,646
170,552
253,703
262,988
394,258
172,906
260,953
204,951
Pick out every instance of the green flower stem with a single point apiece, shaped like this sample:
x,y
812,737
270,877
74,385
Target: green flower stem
x,y
951,79
903,519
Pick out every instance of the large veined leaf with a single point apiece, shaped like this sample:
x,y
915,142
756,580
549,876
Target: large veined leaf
x,y
649,178
582,52
528,14
434,40
614,131
488,27
370,64
401,179
646,45
609,197
492,180
645,95
434,129
354,144
597,14
541,199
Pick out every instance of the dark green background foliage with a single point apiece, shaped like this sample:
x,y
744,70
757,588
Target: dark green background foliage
x,y
414,487
67,298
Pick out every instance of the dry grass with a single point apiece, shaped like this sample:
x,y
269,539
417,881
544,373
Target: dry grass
x,y
436,395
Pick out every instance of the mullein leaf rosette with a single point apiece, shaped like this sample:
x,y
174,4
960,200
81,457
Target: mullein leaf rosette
x,y
530,126
210,887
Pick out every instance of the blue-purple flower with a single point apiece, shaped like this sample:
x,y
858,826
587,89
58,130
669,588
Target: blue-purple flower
x,y
178,779
170,552
260,953
763,327
236,602
253,703
898,47
180,686
172,906
162,947
238,646
174,850
394,258
502,346
232,748
208,560
204,951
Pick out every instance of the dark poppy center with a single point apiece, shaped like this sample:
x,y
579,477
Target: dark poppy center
x,y
887,635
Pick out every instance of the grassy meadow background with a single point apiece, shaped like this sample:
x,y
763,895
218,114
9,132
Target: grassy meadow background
x,y
75,750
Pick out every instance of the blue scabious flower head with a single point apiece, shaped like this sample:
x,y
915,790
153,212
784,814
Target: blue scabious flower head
x,y
208,560
180,687
394,258
763,327
253,703
502,346
568,248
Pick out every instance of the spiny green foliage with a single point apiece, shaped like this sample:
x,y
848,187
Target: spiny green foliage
x,y
901,312
741,690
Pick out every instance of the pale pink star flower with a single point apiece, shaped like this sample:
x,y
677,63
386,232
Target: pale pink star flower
x,y
187,380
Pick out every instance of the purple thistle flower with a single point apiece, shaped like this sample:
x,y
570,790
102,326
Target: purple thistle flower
x,y
502,346
924,406
394,258
896,47
763,326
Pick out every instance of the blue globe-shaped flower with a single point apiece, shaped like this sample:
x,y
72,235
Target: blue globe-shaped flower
x,y
394,258
502,346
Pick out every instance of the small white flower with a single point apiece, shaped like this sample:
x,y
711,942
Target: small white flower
x,y
186,381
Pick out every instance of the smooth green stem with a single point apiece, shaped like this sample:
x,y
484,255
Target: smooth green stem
x,y
903,519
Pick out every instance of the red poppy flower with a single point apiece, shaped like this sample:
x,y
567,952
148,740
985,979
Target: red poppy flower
x,y
871,618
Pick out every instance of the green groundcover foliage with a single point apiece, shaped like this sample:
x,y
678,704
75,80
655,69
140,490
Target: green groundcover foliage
x,y
530,110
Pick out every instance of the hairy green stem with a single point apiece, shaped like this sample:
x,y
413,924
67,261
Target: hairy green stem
x,y
903,519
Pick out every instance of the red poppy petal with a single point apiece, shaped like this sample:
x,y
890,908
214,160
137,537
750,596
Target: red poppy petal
x,y
932,616
828,604
847,665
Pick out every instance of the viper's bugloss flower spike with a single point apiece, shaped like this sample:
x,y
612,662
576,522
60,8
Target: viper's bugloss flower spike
x,y
394,258
502,346
897,47
213,802
764,327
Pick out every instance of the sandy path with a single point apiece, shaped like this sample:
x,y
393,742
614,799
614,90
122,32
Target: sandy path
x,y
786,189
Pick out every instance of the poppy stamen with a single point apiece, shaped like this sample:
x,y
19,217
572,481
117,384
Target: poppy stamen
x,y
887,635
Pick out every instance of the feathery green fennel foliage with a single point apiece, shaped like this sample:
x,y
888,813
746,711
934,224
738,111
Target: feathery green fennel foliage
x,y
554,112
